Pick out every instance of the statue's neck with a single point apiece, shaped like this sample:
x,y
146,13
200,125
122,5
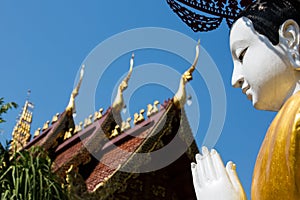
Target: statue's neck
x,y
293,90
297,87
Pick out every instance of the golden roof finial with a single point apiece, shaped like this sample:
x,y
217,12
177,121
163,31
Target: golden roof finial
x,y
135,118
180,96
71,106
152,109
98,114
149,110
88,121
126,125
155,108
115,132
54,118
37,132
68,134
46,125
138,118
118,103
78,128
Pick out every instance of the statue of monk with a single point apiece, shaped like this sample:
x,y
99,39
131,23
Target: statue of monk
x,y
264,42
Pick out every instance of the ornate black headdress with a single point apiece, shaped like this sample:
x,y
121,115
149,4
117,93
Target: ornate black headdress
x,y
218,9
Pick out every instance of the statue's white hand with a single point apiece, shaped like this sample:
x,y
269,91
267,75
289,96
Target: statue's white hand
x,y
212,181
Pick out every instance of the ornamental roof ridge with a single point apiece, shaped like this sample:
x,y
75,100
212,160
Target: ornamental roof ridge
x,y
217,10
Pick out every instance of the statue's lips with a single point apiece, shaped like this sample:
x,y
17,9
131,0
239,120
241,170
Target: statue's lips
x,y
249,96
246,91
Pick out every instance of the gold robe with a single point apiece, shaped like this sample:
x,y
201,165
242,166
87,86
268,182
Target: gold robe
x,y
277,169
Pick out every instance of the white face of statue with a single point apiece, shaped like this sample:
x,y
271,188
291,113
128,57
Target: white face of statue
x,y
261,70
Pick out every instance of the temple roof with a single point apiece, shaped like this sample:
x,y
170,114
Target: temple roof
x,y
105,154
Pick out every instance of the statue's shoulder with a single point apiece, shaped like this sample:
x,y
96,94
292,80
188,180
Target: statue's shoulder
x,y
290,110
278,160
293,101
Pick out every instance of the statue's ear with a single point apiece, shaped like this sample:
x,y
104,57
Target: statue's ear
x,y
289,37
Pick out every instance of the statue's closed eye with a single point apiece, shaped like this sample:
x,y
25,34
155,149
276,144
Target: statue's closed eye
x,y
242,54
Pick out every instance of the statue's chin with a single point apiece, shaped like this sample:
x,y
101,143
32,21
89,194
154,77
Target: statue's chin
x,y
264,106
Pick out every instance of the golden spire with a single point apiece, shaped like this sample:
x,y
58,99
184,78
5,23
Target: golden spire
x,y
71,106
21,132
180,96
119,101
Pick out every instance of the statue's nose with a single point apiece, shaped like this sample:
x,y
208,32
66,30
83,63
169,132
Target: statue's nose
x,y
238,82
237,78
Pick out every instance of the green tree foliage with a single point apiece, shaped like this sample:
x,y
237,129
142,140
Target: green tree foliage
x,y
4,107
27,175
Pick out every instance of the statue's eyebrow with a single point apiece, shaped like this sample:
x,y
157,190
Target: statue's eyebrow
x,y
238,44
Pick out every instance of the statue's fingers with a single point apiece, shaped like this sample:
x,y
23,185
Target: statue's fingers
x,y
195,175
200,169
208,164
235,181
218,163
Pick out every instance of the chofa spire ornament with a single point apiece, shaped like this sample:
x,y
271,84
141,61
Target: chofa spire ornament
x,y
71,106
118,103
219,9
180,96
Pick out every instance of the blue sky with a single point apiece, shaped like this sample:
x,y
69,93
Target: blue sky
x,y
43,44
